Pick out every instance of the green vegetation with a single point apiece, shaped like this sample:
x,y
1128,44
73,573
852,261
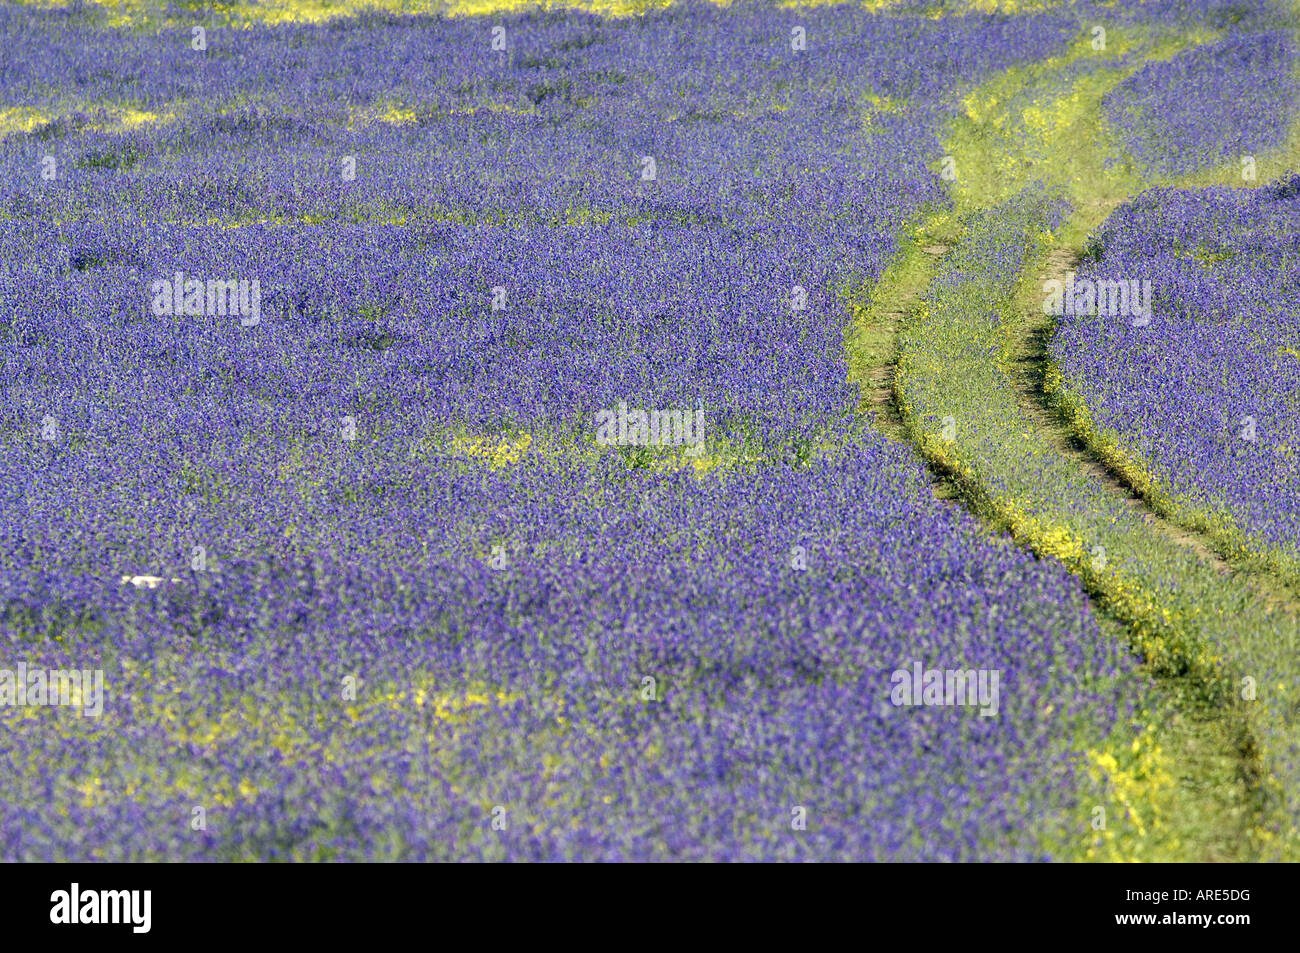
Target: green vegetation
x,y
1034,176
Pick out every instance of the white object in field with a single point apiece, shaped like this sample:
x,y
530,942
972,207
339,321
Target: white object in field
x,y
152,582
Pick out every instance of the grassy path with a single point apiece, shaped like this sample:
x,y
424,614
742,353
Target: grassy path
x,y
965,378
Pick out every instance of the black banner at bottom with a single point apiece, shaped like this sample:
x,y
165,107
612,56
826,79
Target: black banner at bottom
x,y
339,903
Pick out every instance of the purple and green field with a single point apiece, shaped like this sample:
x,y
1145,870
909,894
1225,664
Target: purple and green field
x,y
649,431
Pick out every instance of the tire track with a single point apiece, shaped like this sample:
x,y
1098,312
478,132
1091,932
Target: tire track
x,y
1028,363
1195,644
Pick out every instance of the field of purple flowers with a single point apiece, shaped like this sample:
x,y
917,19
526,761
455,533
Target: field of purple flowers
x,y
1207,393
1208,104
363,578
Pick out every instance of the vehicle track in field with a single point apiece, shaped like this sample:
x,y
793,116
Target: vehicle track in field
x,y
1211,742
1216,754
872,346
1030,361
1228,797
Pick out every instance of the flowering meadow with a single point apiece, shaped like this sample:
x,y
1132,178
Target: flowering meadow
x,y
1208,104
1206,394
310,314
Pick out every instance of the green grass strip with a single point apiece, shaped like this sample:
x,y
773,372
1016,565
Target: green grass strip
x,y
963,385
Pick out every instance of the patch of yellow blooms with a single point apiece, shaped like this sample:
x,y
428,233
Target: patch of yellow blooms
x,y
498,453
1139,779
127,13
281,731
105,118
402,114
1054,117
